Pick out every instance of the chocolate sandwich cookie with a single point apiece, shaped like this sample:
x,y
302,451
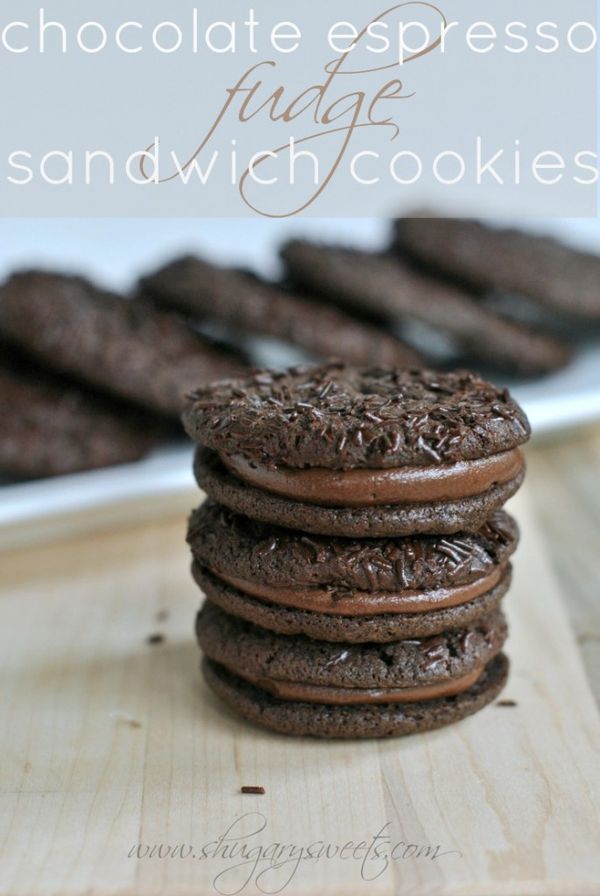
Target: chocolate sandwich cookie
x,y
51,427
365,720
444,517
303,686
349,590
554,275
252,305
379,629
305,669
130,349
343,451
390,288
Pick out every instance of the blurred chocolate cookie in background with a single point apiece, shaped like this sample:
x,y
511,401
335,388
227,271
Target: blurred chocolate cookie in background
x,y
390,289
442,294
561,280
50,426
126,348
254,306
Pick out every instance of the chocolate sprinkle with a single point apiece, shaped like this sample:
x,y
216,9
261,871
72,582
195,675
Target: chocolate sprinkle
x,y
235,545
373,418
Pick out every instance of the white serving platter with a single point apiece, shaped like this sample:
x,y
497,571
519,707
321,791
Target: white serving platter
x,y
163,482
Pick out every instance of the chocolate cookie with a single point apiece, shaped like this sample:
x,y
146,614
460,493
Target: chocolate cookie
x,y
324,672
380,628
388,287
50,427
386,583
143,355
336,450
441,517
554,275
358,720
250,304
341,418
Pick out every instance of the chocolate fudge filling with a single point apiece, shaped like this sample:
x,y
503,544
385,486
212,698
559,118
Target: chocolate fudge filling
x,y
366,603
313,693
367,488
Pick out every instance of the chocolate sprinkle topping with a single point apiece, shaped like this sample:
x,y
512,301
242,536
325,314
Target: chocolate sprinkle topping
x,y
340,418
231,544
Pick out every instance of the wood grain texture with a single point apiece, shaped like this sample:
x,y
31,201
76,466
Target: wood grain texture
x,y
112,742
564,481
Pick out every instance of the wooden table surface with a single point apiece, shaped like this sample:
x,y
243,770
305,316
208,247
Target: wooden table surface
x,y
110,741
564,482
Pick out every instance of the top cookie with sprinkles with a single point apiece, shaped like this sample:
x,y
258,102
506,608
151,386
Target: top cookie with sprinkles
x,y
339,417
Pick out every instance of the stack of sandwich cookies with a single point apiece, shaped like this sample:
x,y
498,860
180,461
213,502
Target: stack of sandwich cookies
x,y
373,617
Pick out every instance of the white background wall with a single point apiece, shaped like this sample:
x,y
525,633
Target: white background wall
x,y
117,250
